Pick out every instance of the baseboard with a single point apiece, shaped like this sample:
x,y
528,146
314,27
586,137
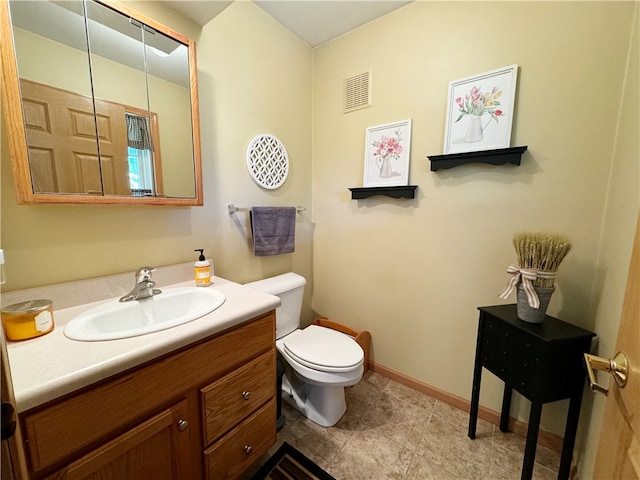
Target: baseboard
x,y
550,440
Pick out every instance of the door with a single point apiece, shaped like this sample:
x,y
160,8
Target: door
x,y
61,138
156,449
619,449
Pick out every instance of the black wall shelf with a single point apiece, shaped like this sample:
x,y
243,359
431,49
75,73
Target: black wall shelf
x,y
403,191
498,156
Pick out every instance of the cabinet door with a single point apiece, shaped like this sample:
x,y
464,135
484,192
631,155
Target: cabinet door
x,y
155,449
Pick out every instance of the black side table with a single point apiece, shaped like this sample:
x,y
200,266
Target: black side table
x,y
543,362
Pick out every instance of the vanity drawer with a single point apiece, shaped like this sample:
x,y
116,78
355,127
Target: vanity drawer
x,y
233,453
235,396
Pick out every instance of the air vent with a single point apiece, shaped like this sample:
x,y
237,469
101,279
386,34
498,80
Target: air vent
x,y
357,92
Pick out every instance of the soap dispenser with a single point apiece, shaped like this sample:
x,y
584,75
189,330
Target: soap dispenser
x,y
202,270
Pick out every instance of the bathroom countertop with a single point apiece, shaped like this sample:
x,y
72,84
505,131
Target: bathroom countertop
x,y
48,367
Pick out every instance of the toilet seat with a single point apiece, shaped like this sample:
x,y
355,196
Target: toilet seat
x,y
323,349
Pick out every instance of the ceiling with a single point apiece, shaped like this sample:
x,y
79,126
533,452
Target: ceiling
x,y
112,36
314,21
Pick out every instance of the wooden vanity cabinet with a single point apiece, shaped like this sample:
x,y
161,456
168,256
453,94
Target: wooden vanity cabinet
x,y
204,411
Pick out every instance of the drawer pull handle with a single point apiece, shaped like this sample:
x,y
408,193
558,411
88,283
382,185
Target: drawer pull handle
x,y
246,395
248,449
617,366
183,425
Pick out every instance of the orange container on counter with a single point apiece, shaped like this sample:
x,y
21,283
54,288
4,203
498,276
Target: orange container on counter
x,y
25,320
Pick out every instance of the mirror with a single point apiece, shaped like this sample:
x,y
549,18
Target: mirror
x,y
100,105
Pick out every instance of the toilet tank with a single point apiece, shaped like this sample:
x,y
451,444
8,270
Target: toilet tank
x,y
289,287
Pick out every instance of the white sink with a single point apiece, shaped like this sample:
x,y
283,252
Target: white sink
x,y
114,320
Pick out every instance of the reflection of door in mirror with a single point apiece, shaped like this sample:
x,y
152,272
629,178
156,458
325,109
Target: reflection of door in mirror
x,y
64,155
112,140
61,141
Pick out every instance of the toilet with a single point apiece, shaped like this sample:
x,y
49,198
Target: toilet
x,y
319,361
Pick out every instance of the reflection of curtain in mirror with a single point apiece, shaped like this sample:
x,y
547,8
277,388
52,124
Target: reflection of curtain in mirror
x,y
140,163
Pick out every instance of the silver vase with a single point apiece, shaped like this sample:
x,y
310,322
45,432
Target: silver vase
x,y
527,313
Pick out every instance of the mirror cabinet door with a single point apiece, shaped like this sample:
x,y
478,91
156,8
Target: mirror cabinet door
x,y
57,104
118,75
108,106
170,107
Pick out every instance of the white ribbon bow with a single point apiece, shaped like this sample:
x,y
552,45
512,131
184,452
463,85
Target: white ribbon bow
x,y
527,276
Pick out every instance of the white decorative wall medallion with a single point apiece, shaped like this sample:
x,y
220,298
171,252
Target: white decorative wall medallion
x,y
267,161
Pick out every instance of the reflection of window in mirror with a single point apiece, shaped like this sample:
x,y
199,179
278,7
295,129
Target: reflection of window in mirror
x,y
140,172
143,153
139,155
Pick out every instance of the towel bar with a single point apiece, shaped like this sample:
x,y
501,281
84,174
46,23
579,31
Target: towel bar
x,y
231,209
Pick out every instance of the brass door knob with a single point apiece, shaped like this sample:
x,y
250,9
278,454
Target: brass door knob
x,y
618,367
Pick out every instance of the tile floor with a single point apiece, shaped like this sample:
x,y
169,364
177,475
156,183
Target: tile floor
x,y
391,431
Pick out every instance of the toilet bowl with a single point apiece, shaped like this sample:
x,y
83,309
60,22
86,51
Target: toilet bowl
x,y
319,361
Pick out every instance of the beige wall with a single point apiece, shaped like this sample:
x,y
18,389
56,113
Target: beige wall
x,y
40,59
413,272
255,77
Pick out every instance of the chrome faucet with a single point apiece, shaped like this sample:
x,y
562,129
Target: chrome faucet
x,y
143,287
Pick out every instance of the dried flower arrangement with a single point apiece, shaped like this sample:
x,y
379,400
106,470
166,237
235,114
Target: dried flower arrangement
x,y
539,256
542,252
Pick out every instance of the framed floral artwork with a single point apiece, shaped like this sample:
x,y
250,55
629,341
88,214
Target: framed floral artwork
x,y
480,111
387,153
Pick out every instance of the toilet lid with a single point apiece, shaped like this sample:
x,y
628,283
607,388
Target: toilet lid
x,y
321,348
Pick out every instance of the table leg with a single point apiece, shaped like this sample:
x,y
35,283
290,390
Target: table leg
x,y
532,440
570,435
506,408
475,388
475,400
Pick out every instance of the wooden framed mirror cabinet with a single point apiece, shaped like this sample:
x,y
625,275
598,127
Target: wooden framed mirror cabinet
x,y
100,105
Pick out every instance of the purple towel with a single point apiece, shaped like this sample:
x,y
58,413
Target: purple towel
x,y
274,230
